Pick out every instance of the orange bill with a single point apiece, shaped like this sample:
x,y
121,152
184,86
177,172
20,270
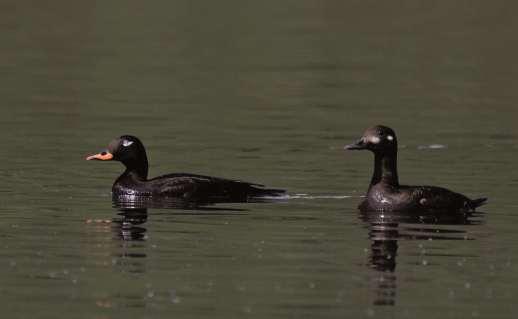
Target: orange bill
x,y
103,156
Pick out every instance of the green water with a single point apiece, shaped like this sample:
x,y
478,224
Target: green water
x,y
268,92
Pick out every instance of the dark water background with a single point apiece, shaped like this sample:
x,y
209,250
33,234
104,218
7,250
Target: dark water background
x,y
265,91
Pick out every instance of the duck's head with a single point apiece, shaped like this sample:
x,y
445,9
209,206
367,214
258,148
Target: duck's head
x,y
127,149
378,139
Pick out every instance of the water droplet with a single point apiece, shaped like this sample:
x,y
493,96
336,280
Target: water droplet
x,y
173,297
489,293
451,294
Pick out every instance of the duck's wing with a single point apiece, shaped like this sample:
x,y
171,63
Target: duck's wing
x,y
434,198
207,188
177,185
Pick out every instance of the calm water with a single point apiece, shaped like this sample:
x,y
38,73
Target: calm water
x,y
267,92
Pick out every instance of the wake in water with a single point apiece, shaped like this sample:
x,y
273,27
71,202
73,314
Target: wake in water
x,y
309,196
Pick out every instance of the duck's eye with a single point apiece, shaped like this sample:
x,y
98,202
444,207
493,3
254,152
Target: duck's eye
x,y
390,138
126,143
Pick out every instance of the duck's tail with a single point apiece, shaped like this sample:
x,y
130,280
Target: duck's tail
x,y
256,191
474,203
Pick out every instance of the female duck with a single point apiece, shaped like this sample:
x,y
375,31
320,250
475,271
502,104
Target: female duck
x,y
130,151
385,193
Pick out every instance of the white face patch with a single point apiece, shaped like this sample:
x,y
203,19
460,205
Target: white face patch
x,y
126,143
390,138
374,139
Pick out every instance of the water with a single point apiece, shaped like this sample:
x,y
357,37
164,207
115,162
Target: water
x,y
269,93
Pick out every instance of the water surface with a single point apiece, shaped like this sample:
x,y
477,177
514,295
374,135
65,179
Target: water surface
x,y
269,93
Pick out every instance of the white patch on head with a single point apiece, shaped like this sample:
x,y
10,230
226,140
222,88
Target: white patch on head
x,y
126,143
374,139
390,138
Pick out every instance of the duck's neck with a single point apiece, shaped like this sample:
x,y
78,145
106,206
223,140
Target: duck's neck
x,y
385,169
137,169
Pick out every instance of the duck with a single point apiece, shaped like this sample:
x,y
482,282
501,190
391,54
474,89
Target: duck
x,y
134,182
385,194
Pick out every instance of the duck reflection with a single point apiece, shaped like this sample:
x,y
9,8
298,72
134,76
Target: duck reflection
x,y
385,229
133,213
128,225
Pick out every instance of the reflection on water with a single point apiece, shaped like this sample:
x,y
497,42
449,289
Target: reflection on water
x,y
128,203
133,213
129,224
132,202
386,229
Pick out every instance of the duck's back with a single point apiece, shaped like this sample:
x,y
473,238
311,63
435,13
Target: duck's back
x,y
417,199
433,198
193,187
